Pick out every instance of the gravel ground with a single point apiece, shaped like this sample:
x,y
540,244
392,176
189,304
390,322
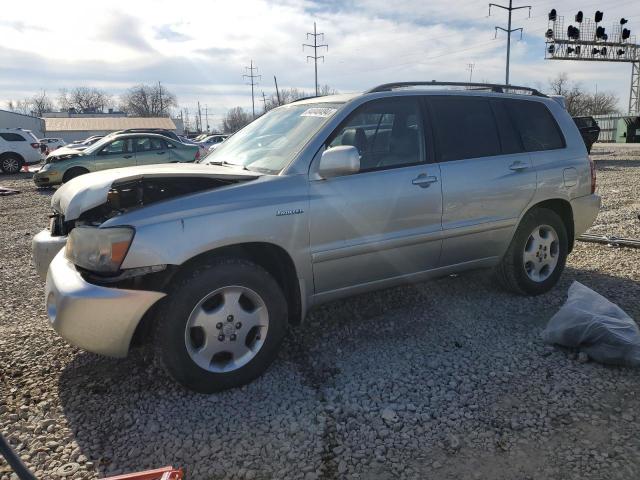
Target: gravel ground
x,y
446,379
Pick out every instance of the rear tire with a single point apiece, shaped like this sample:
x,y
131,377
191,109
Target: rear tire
x,y
537,254
73,173
222,325
11,164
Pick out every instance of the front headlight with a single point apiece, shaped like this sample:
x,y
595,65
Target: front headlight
x,y
99,249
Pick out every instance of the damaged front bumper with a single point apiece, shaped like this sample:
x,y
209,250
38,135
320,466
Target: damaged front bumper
x,y
44,247
95,318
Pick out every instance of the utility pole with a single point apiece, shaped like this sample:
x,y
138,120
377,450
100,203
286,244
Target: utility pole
x,y
199,117
160,95
275,80
251,76
470,68
315,47
509,30
264,102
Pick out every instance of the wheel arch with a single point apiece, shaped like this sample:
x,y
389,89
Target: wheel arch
x,y
85,170
273,258
563,208
12,154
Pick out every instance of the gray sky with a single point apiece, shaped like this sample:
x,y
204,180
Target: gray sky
x,y
198,49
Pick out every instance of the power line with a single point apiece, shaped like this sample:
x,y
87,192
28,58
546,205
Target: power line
x,y
251,76
404,64
315,47
509,30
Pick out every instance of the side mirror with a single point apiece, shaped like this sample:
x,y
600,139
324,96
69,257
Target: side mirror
x,y
338,161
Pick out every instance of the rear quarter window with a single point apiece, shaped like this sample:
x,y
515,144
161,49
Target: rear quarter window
x,y
12,137
537,127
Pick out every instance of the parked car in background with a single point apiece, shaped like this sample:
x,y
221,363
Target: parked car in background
x,y
212,141
589,129
314,201
83,144
18,147
186,140
160,131
51,144
113,151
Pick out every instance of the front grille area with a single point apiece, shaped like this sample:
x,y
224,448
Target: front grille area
x,y
57,225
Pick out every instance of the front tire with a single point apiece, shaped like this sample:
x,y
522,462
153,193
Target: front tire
x,y
222,325
537,254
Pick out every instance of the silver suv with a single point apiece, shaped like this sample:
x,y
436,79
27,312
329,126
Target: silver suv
x,y
316,200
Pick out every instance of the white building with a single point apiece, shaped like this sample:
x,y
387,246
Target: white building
x,y
17,120
81,127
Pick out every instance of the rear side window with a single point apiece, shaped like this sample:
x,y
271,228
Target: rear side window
x,y
12,137
509,136
464,128
538,129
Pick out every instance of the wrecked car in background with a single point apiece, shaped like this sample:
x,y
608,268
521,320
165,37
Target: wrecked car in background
x,y
316,200
113,151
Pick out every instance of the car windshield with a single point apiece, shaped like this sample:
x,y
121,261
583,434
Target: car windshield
x,y
271,142
98,145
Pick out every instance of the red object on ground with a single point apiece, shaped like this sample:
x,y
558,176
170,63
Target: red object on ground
x,y
165,473
25,168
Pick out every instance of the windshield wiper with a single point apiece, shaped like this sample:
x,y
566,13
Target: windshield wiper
x,y
229,164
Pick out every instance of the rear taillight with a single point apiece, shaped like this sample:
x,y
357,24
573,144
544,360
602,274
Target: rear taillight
x,y
197,157
35,145
592,166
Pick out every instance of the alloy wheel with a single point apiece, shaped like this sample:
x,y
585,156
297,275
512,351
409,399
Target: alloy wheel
x,y
541,253
10,165
226,329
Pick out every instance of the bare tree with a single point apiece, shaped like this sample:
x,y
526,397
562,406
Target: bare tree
x,y
19,106
602,103
35,105
234,120
148,101
580,102
84,100
41,103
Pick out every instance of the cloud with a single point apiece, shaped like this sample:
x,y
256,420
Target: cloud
x,y
200,54
21,26
124,30
168,32
215,51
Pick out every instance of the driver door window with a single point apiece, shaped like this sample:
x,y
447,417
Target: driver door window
x,y
118,153
387,134
121,147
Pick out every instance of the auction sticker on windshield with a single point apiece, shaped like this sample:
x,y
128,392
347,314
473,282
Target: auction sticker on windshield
x,y
322,112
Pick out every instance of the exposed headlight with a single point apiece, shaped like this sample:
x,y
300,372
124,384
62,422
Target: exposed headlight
x,y
99,249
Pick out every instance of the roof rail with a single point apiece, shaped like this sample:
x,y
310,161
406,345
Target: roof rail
x,y
497,88
304,98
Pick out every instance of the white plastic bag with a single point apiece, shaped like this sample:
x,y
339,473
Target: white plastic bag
x,y
598,327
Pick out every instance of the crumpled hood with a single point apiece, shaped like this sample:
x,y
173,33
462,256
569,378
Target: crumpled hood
x,y
64,151
88,191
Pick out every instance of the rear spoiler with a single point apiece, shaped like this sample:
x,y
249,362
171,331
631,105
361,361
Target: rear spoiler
x,y
560,99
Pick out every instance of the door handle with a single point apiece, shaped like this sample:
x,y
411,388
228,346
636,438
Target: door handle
x,y
160,153
423,180
517,166
127,156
